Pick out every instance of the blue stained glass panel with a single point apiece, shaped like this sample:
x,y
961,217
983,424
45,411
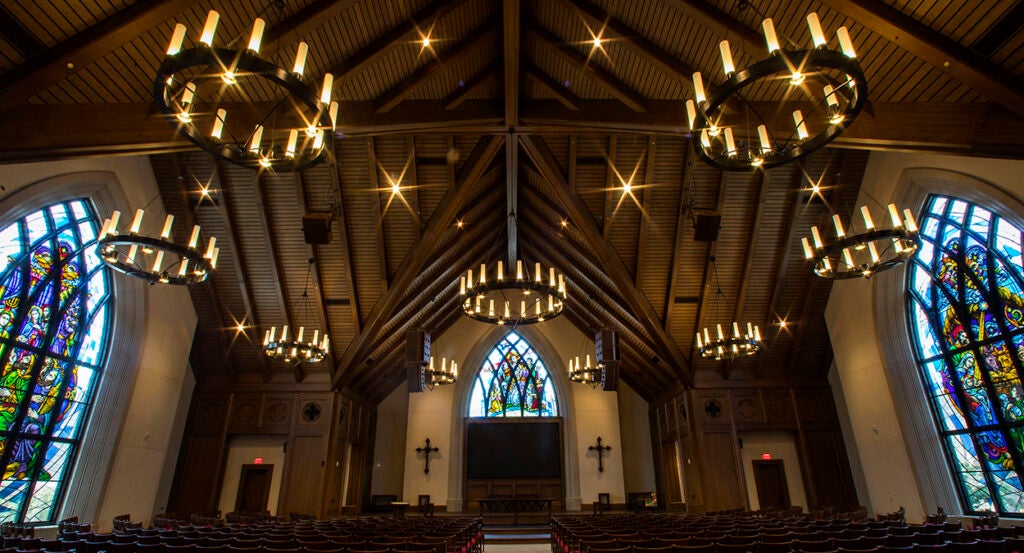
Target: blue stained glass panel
x,y
513,381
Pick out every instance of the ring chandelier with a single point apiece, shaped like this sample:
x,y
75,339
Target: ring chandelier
x,y
523,300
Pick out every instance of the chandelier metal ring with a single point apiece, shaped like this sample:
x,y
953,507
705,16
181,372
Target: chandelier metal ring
x,y
119,253
839,267
516,301
749,154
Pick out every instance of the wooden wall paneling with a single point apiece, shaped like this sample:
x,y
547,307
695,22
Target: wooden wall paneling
x,y
748,409
690,462
778,406
721,479
336,456
830,477
657,450
244,415
712,408
313,415
195,484
303,483
277,413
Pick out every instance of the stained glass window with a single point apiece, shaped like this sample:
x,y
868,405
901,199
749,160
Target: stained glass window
x,y
965,292
55,311
513,382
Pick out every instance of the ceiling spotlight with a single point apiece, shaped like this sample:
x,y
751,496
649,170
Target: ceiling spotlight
x,y
597,42
396,189
459,223
564,223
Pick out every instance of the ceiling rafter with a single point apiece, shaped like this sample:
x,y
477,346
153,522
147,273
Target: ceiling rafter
x,y
723,24
603,78
512,197
511,22
680,231
608,205
561,93
418,255
649,51
346,247
374,176
425,18
80,50
710,269
412,175
18,36
537,150
321,309
457,52
1008,25
462,93
302,23
974,70
645,207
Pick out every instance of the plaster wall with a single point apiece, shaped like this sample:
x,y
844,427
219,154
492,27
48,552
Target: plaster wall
x,y
243,450
781,446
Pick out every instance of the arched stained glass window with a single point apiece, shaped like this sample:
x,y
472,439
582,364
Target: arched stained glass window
x,y
54,320
965,291
513,382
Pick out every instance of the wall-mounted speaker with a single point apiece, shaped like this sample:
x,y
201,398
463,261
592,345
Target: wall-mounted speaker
x,y
705,228
316,227
417,356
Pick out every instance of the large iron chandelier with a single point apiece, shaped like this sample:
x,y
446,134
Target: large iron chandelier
x,y
283,130
522,300
865,252
297,348
448,373
155,259
592,375
743,341
827,87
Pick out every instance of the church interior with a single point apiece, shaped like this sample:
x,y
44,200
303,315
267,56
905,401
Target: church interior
x,y
313,259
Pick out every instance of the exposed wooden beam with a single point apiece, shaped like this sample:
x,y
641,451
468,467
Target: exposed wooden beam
x,y
374,176
302,23
666,63
561,93
444,60
645,208
722,24
510,19
267,238
321,303
680,231
976,71
32,77
422,20
710,269
608,205
1008,25
462,93
512,197
418,255
603,78
748,259
18,36
545,162
413,183
346,247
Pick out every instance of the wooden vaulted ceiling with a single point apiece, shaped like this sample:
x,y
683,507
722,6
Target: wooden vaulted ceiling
x,y
510,104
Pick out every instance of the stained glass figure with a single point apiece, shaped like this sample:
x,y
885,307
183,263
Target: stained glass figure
x,y
53,299
965,294
513,382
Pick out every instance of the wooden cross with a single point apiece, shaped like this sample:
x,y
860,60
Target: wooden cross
x,y
600,449
427,451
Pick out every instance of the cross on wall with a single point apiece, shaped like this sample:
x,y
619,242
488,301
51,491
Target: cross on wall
x,y
427,451
600,449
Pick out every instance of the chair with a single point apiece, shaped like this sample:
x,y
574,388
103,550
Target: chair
x,y
424,505
603,503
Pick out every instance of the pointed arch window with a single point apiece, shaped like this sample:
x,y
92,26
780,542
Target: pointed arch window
x,y
513,381
965,294
55,314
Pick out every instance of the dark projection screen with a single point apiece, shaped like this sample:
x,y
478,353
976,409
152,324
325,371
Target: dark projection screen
x,y
514,450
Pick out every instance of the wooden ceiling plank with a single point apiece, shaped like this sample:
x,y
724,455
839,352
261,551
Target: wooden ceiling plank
x,y
461,94
18,36
321,302
1008,25
645,208
561,93
77,52
510,19
512,197
542,157
302,23
374,176
723,24
425,18
412,176
346,247
949,56
442,61
609,184
710,269
604,79
574,317
228,220
418,255
666,63
677,240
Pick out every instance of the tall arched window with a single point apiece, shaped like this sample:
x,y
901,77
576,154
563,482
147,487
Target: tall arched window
x,y
55,311
513,382
965,293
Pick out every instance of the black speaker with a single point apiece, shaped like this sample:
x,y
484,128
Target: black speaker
x,y
705,229
417,356
316,227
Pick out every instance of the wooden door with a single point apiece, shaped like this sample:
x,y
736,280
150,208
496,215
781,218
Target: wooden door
x,y
670,468
770,479
254,488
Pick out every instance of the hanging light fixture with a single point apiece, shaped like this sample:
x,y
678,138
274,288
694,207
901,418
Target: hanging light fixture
x,y
155,259
530,295
828,88
866,251
297,348
743,341
442,374
587,374
217,98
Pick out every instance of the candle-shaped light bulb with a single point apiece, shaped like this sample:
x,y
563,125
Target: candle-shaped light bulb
x,y
318,140
705,140
769,35
730,144
209,28
707,336
293,138
536,308
845,44
873,251
817,35
588,362
257,137
193,241
177,38
462,286
762,135
698,88
165,233
132,252
158,262
483,273
807,248
536,272
332,112
522,309
897,245
561,284
476,306
218,123
326,345
501,271
469,278
136,222
735,329
801,125
490,308
213,260
866,214
727,64
507,315
302,331
551,277
273,331
848,257
839,226
700,343
908,219
894,216
721,336
691,113
257,34
183,268
328,88
209,247
519,269
817,238
300,58
750,330
316,336
266,338
830,96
